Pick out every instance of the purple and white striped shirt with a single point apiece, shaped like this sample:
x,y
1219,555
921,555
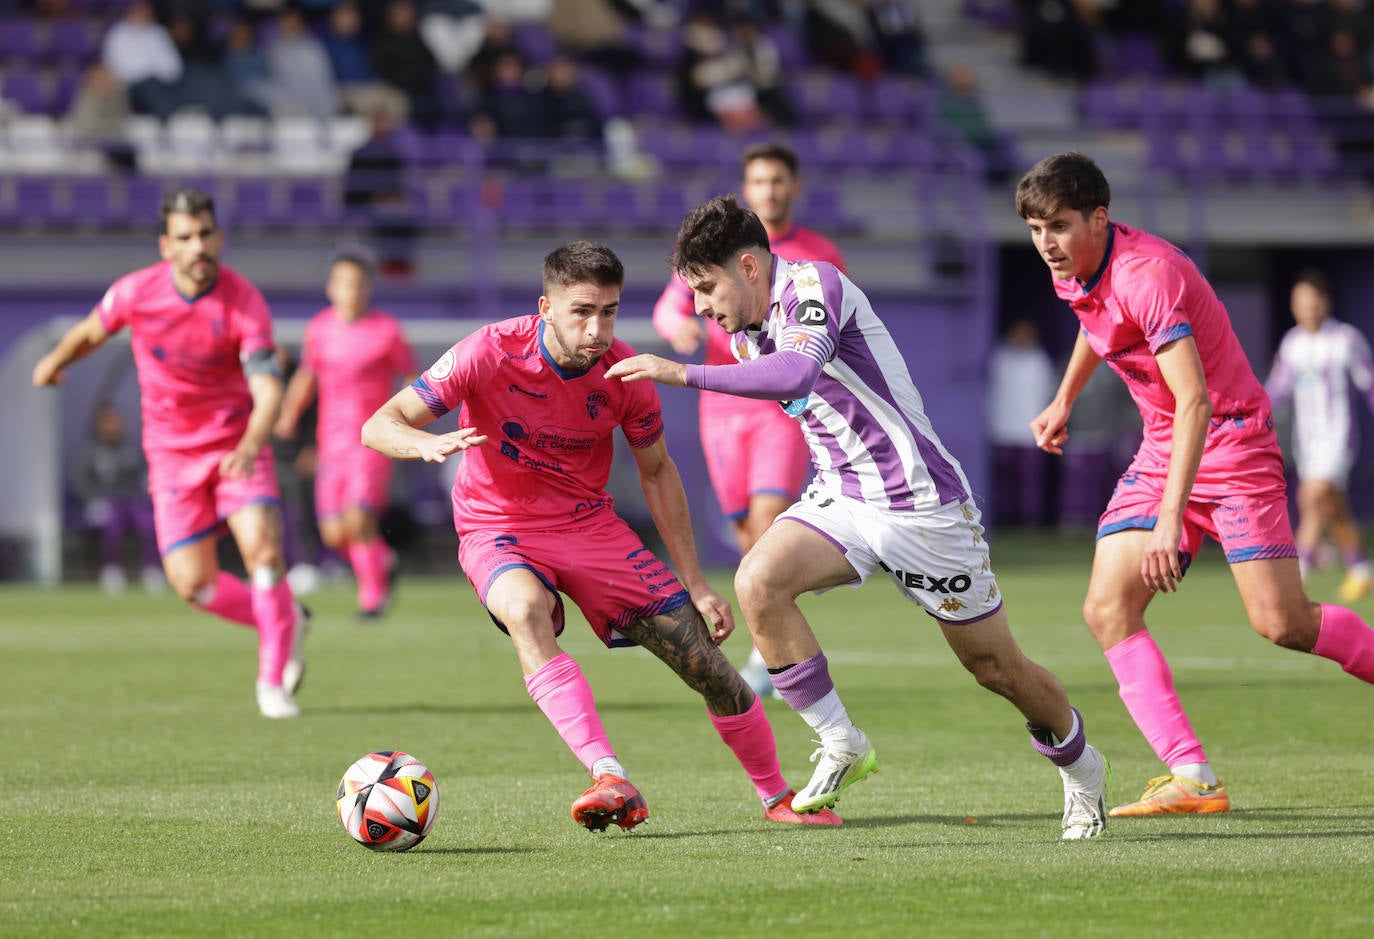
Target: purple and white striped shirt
x,y
861,414
1319,371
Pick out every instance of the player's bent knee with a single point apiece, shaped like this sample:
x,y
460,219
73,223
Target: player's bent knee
x,y
1289,631
990,673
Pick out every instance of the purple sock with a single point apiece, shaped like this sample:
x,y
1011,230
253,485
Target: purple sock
x,y
1068,751
805,683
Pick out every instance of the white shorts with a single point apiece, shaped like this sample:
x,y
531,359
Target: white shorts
x,y
938,560
1329,461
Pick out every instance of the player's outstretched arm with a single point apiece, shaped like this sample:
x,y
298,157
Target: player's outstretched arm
x,y
76,343
651,367
667,501
1181,366
266,389
1051,426
394,431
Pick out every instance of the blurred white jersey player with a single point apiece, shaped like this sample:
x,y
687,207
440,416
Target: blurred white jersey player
x,y
1320,366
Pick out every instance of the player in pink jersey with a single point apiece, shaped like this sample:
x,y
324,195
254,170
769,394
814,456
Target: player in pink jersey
x,y
1209,464
535,521
211,388
352,356
756,457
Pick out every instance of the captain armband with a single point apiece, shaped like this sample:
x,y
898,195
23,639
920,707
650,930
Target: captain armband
x,y
262,362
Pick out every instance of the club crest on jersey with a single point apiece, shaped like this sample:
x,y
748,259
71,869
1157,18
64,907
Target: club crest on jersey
x,y
742,350
444,367
805,276
514,430
595,402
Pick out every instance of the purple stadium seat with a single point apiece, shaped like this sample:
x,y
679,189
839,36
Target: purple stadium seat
x,y
142,199
828,95
26,90
254,202
20,41
650,93
35,200
897,100
602,90
1135,54
312,203
65,86
91,201
535,42
788,41
73,43
1105,104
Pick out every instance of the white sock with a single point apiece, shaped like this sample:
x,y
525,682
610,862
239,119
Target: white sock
x,y
830,720
609,764
1200,772
755,659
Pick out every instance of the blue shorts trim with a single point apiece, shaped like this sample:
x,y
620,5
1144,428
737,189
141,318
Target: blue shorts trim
x,y
1135,522
1262,553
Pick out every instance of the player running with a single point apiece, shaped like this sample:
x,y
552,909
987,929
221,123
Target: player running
x,y
886,497
1209,464
211,387
353,356
1320,363
756,457
535,522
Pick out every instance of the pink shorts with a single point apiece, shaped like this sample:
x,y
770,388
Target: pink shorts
x,y
351,477
602,566
753,451
1244,507
190,497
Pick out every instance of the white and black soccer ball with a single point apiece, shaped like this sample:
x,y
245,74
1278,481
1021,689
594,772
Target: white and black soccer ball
x,y
388,801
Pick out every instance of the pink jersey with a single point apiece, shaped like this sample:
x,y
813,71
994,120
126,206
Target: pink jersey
x,y
190,353
548,457
356,367
677,304
1146,294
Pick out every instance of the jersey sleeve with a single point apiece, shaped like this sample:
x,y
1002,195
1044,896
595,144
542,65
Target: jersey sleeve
x,y
253,320
117,305
810,306
1155,298
642,422
1279,384
1361,363
466,365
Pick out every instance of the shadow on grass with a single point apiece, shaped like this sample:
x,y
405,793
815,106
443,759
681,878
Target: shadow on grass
x,y
521,708
475,850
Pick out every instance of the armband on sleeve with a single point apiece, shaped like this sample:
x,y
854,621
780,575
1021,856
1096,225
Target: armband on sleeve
x,y
262,362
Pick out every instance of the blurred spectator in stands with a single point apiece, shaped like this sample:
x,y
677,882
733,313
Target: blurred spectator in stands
x,y
350,60
1356,18
1342,72
498,38
1056,38
513,105
453,30
301,66
97,115
247,67
1200,47
713,77
1258,58
1300,34
901,40
959,103
205,83
840,34
139,52
597,32
763,68
571,113
401,59
112,480
375,193
1020,374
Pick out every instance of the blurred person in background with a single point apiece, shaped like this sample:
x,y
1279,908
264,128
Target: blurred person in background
x,y
756,457
211,389
1020,377
1321,365
352,360
112,480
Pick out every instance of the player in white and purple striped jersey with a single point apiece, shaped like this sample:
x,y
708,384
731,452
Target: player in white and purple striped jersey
x,y
887,496
1320,364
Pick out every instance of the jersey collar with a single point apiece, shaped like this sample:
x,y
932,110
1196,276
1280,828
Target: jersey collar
x,y
1092,281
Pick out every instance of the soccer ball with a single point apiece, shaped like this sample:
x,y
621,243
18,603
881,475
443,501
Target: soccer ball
x,y
388,801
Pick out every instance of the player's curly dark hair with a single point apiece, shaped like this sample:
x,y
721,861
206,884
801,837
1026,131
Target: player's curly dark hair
x,y
583,262
713,233
185,201
1064,181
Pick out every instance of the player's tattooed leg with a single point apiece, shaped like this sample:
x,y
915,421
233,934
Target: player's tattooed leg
x,y
679,638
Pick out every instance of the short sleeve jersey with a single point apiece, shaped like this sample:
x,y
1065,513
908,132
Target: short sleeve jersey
x,y
190,353
864,420
547,459
1320,371
356,365
676,303
1146,294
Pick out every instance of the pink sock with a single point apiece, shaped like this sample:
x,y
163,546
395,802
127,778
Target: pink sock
x,y
750,736
275,610
231,599
1146,687
564,696
370,561
1347,640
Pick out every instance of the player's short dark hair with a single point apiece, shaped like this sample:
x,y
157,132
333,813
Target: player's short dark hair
x,y
185,201
360,256
1064,181
1315,279
713,233
771,150
583,262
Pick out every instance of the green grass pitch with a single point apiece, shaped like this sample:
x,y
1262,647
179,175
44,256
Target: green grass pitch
x,y
141,794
